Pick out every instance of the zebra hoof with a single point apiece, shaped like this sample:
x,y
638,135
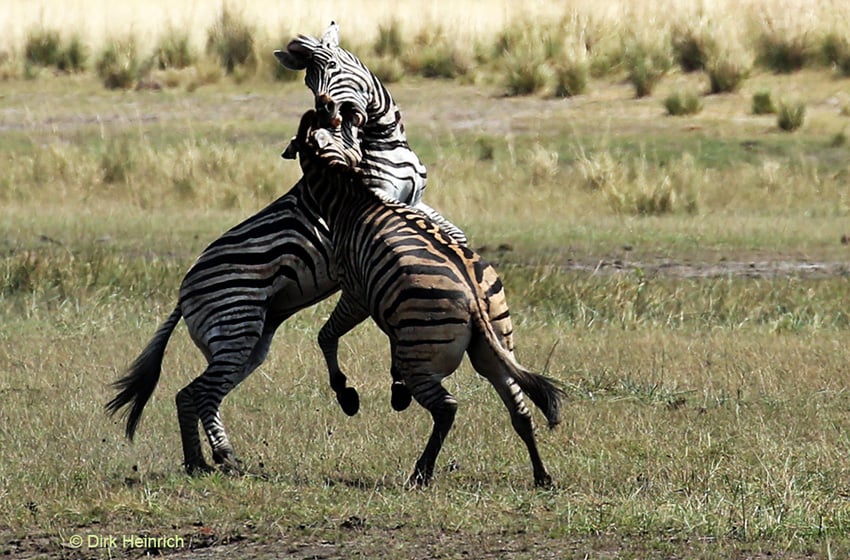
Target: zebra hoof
x,y
349,400
401,397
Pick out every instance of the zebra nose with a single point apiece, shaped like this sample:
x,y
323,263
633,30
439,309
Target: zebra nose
x,y
325,105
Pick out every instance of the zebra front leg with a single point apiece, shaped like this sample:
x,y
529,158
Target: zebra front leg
x,y
346,315
400,396
429,392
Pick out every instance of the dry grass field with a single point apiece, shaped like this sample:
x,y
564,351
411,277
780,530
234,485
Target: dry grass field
x,y
685,276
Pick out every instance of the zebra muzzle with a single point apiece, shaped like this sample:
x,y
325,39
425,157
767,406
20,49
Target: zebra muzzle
x,y
326,110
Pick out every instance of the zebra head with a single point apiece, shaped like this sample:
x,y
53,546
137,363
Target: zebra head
x,y
340,83
323,142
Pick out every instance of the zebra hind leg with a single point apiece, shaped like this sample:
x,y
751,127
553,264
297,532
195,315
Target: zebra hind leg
x,y
430,393
485,362
201,399
187,416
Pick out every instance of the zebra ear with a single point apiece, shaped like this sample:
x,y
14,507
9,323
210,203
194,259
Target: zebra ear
x,y
289,61
298,53
330,39
291,150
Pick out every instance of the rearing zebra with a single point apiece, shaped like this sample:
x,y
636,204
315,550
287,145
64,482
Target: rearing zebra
x,y
275,263
433,297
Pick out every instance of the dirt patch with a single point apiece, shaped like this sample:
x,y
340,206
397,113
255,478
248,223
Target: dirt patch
x,y
686,269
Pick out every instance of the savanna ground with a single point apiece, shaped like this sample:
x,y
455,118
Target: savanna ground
x,y
686,278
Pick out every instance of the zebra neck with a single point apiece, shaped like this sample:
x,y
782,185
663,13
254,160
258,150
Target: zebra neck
x,y
339,196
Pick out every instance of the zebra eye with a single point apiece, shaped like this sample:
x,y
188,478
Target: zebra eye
x,y
332,65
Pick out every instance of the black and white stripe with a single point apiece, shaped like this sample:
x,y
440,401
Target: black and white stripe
x,y
434,298
260,272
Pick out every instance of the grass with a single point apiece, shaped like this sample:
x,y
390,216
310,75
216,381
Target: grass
x,y
643,259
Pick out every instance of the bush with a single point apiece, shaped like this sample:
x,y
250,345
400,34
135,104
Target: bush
x,y
389,41
173,50
388,69
435,56
524,76
42,47
783,52
646,65
763,103
836,52
726,73
678,104
231,40
118,65
791,116
571,77
74,56
692,48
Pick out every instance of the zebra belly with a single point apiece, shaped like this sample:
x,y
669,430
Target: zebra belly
x,y
257,274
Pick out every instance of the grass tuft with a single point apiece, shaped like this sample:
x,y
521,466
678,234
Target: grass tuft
x,y
390,41
231,40
434,55
726,72
763,103
692,47
836,52
42,47
646,63
523,77
678,104
174,50
571,75
783,51
791,116
118,65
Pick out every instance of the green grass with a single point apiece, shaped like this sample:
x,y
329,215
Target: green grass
x,y
707,404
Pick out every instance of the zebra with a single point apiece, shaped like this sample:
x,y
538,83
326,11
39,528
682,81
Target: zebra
x,y
360,96
247,282
433,297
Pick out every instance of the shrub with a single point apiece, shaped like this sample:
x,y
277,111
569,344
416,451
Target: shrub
x,y
74,56
116,161
173,50
678,104
763,103
791,116
388,69
783,52
646,64
836,52
231,40
42,47
692,48
118,65
524,76
389,41
571,76
726,73
435,56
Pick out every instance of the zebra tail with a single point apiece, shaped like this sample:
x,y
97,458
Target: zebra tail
x,y
543,391
141,377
